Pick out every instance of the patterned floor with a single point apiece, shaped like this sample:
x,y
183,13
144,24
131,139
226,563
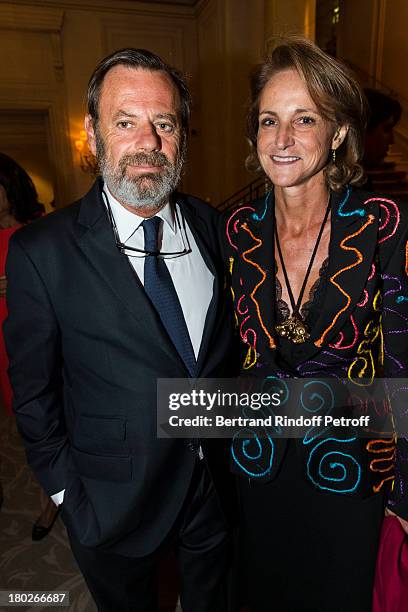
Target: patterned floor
x,y
24,564
46,565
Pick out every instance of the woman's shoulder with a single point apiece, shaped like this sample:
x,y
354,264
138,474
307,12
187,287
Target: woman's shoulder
x,y
249,211
390,214
7,232
241,221
384,201
385,209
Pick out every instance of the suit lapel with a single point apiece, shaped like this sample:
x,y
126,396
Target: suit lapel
x,y
354,230
257,263
98,244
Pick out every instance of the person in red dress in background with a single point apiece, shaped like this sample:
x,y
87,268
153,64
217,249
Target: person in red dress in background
x,y
18,205
5,233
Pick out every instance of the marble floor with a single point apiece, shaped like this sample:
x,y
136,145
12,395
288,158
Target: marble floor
x,y
48,564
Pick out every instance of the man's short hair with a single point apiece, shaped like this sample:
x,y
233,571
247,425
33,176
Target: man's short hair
x,y
145,60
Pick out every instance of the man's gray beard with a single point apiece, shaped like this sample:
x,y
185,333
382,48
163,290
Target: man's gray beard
x,y
148,191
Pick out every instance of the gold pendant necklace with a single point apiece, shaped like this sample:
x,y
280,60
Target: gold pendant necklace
x,y
294,328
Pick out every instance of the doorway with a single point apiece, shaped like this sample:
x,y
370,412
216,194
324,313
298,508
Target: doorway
x,y
327,25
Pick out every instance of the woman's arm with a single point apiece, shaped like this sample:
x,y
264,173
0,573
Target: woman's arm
x,y
394,272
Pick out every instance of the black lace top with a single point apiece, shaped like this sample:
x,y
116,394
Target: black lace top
x,y
310,310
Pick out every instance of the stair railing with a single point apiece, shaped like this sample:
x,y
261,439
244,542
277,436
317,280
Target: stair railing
x,y
256,189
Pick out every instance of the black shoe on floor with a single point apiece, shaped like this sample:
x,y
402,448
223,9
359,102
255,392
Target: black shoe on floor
x,y
39,531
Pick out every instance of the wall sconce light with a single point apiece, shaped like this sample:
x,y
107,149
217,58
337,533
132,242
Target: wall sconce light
x,y
87,163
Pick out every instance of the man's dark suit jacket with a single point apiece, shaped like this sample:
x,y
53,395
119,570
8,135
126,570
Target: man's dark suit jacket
x,y
86,348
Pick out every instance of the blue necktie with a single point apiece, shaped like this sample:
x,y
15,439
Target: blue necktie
x,y
160,289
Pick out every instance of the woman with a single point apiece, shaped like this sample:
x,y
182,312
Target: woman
x,y
320,290
18,205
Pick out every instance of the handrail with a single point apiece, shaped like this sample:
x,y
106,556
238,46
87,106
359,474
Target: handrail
x,y
254,190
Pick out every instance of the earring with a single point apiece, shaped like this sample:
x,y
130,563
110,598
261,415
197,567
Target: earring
x,y
333,153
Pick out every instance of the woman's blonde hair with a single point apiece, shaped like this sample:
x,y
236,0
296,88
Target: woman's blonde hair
x,y
336,93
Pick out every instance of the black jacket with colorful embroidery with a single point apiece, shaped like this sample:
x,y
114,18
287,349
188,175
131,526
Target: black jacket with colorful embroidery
x,y
361,333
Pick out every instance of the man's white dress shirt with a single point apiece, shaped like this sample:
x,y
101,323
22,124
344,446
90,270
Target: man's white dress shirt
x,y
192,280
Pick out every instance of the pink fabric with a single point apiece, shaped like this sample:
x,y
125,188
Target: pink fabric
x,y
5,388
391,578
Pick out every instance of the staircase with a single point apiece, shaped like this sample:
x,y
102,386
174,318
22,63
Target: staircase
x,y
247,194
390,177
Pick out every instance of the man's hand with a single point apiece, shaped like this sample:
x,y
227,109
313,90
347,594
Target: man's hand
x,y
3,286
403,522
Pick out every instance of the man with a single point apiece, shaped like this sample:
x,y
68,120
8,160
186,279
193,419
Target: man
x,y
106,296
